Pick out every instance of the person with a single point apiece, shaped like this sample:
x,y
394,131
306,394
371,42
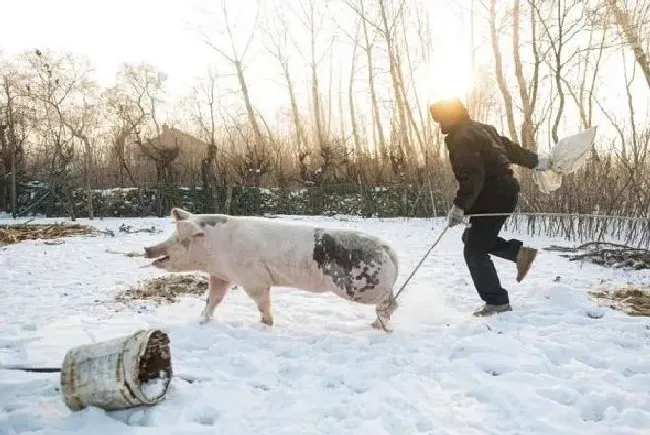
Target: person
x,y
480,159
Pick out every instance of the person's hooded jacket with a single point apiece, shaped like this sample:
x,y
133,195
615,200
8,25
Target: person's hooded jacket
x,y
480,159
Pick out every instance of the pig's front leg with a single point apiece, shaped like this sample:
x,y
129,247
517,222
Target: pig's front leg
x,y
216,291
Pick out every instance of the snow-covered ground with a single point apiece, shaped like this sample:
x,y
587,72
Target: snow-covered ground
x,y
545,368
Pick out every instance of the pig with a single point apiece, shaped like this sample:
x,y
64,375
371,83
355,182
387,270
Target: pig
x,y
258,253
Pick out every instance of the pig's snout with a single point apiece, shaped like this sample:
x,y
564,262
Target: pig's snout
x,y
154,251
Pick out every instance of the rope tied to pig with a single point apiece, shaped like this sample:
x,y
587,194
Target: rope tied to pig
x,y
484,215
393,299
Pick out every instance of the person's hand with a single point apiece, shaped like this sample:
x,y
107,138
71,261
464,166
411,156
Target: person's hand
x,y
543,164
455,216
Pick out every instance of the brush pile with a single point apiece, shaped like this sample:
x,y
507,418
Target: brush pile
x,y
633,300
10,234
166,288
608,255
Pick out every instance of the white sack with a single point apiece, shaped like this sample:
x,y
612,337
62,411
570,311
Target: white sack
x,y
567,156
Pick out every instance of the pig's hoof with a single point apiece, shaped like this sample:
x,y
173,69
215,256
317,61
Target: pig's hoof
x,y
267,321
385,326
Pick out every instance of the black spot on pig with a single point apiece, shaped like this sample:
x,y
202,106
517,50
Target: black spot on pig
x,y
212,220
352,260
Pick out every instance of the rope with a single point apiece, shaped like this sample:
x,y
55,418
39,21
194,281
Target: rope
x,y
32,369
417,267
479,215
420,262
187,378
578,215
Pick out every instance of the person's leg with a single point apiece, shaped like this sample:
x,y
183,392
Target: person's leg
x,y
512,249
479,239
506,249
515,251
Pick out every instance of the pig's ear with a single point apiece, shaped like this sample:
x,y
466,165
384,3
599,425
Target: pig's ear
x,y
178,214
189,229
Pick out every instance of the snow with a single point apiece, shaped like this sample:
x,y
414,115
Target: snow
x,y
557,364
154,388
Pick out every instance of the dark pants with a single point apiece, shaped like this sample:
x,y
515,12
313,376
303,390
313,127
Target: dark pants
x,y
482,240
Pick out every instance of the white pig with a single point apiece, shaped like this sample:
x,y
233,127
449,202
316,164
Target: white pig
x,y
258,253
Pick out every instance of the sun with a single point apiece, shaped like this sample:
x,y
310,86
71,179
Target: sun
x,y
447,75
448,71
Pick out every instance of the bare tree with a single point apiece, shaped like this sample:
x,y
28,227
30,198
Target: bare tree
x,y
353,117
583,94
395,70
501,79
527,92
630,28
251,160
405,47
236,59
81,123
11,148
568,20
137,98
369,47
133,105
312,20
277,44
425,45
206,96
56,85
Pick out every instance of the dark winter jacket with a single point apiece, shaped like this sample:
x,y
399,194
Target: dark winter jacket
x,y
480,159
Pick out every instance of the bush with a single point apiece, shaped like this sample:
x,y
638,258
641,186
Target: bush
x,y
386,201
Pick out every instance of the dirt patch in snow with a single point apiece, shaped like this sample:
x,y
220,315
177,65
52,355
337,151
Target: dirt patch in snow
x,y
166,288
631,299
11,234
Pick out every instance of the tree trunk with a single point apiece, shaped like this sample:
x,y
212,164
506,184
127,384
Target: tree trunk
x,y
300,131
87,177
13,150
330,103
409,112
5,169
528,127
341,110
353,117
379,129
392,67
208,172
423,137
631,36
558,75
228,198
247,101
503,86
317,107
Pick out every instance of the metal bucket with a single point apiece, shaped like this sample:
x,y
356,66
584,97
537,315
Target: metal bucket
x,y
121,373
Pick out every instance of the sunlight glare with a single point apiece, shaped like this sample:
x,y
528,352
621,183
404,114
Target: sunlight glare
x,y
448,72
448,75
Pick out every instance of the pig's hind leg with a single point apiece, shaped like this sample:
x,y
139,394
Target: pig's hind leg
x,y
384,309
216,291
262,297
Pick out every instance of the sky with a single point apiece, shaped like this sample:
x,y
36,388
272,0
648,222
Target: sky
x,y
167,34
164,33
110,33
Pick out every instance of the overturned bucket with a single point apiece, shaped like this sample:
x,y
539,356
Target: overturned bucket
x,y
121,373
